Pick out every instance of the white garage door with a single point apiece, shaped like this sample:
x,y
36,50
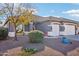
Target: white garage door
x,y
69,30
54,31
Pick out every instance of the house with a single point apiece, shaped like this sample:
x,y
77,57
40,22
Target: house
x,y
55,26
51,26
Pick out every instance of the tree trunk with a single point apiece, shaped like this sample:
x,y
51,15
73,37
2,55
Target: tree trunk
x,y
23,29
31,26
15,32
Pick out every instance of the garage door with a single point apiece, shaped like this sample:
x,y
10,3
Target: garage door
x,y
54,31
69,30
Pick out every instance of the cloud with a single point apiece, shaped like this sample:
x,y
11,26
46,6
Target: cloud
x,y
74,12
34,11
22,9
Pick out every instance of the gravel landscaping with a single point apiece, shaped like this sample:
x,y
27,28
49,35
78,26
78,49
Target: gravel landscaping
x,y
49,47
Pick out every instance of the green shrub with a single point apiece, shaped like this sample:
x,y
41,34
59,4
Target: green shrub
x,y
32,50
28,51
35,36
3,33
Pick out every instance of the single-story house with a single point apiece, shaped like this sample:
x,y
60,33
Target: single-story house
x,y
55,26
52,26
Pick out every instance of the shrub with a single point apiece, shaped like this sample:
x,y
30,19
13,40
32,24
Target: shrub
x,y
32,50
3,33
35,36
28,51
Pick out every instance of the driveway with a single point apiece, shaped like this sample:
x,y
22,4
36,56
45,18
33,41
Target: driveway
x,y
56,44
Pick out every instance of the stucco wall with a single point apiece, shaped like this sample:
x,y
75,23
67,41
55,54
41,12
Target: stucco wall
x,y
43,26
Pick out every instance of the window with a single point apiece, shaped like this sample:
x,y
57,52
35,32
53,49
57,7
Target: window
x,y
61,28
49,28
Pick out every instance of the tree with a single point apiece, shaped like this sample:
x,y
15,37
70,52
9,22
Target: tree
x,y
28,14
8,10
16,14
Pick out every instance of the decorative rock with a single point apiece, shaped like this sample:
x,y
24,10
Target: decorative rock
x,y
74,52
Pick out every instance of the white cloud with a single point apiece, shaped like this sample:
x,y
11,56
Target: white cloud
x,y
22,9
74,12
46,16
34,11
31,9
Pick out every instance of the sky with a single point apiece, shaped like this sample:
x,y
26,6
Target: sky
x,y
66,10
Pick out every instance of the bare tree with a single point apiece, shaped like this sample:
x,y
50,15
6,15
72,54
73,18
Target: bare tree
x,y
8,10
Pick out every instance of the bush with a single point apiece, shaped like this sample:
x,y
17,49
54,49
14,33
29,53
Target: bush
x,y
32,50
28,52
3,33
35,36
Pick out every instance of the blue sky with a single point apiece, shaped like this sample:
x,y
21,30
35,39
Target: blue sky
x,y
66,10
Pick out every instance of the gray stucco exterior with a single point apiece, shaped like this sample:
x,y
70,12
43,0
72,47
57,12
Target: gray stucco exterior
x,y
43,26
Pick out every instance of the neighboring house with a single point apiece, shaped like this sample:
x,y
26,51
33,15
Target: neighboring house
x,y
52,26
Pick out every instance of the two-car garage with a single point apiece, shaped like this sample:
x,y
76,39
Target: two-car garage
x,y
65,29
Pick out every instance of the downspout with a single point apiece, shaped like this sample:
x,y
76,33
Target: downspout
x,y
23,28
75,29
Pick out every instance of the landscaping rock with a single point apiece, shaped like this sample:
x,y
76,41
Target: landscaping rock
x,y
74,52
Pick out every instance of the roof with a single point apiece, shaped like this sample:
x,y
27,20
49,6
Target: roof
x,y
51,18
59,19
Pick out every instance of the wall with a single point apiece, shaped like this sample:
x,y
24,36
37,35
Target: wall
x,y
43,26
